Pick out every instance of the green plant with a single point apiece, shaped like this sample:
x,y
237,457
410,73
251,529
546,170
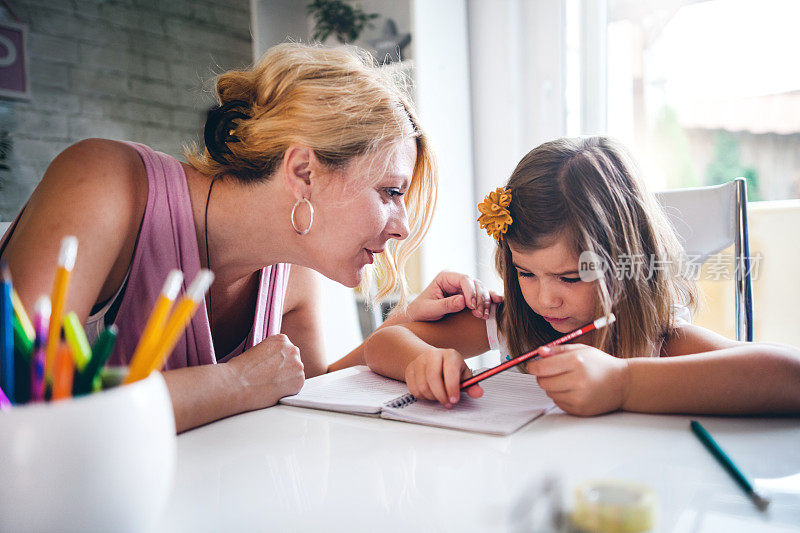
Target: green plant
x,y
344,21
727,165
673,157
5,150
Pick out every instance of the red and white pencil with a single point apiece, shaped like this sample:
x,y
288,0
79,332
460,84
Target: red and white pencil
x,y
601,322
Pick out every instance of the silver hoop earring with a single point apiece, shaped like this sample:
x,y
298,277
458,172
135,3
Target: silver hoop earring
x,y
310,222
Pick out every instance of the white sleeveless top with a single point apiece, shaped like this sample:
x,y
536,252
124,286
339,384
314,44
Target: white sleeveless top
x,y
496,339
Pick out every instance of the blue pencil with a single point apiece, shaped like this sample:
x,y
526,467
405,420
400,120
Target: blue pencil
x,y
6,334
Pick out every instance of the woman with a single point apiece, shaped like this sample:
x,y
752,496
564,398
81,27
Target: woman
x,y
312,159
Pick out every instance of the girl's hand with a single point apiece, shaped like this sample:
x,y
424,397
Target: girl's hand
x,y
582,380
437,374
269,371
450,292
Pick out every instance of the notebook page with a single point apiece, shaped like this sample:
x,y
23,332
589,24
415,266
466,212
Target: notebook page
x,y
510,401
351,390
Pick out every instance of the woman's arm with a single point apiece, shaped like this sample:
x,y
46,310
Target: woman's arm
x,y
256,379
302,319
95,190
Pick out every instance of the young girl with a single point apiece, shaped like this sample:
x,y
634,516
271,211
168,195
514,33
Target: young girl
x,y
583,195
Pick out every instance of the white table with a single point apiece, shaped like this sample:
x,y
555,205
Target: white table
x,y
293,469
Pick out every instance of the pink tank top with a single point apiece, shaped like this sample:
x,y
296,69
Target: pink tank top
x,y
167,240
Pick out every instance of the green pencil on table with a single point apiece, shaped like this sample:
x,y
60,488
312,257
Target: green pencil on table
x,y
711,445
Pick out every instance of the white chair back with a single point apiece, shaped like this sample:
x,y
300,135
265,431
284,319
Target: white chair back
x,y
4,227
707,221
703,217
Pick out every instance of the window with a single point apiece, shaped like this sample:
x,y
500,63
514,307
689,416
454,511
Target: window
x,y
705,91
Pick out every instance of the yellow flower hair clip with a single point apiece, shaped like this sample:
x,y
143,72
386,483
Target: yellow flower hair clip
x,y
495,217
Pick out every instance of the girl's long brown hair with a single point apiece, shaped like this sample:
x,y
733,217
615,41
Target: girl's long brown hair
x,y
589,191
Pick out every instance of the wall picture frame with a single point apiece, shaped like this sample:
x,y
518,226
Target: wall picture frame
x,y
14,72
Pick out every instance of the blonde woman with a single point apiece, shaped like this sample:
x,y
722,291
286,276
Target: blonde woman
x,y
583,195
312,158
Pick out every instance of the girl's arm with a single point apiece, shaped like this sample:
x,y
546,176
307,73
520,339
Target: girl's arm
x,y
429,356
707,374
449,292
714,375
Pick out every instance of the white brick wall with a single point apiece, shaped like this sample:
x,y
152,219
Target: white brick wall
x,y
122,69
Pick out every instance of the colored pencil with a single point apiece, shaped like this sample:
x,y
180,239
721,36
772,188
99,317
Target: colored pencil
x,y
180,317
5,403
41,320
101,351
76,338
66,262
64,373
727,463
597,324
23,344
143,354
21,315
7,376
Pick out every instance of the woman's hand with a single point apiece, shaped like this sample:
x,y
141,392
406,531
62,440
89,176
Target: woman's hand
x,y
582,380
436,374
450,292
269,371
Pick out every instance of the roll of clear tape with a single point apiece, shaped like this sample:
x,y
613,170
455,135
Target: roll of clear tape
x,y
614,506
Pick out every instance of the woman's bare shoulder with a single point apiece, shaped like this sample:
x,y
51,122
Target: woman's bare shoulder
x,y
96,161
95,190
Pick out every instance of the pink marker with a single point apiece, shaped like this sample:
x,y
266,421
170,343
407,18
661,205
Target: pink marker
x,y
5,404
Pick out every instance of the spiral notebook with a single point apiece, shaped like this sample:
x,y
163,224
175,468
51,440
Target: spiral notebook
x,y
510,401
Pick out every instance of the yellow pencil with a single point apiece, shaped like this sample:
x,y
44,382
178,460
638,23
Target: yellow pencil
x,y
154,327
66,262
22,316
180,317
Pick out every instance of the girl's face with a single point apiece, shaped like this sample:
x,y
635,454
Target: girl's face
x,y
359,210
552,288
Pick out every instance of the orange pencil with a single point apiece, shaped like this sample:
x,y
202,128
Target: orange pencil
x,y
64,373
66,262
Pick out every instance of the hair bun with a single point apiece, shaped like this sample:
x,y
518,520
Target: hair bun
x,y
220,123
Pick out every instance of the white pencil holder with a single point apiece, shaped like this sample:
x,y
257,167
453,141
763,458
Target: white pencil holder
x,y
103,462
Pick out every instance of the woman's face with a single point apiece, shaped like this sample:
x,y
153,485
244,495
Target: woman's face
x,y
358,210
552,287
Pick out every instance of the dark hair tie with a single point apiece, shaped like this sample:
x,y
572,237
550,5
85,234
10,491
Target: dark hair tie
x,y
220,123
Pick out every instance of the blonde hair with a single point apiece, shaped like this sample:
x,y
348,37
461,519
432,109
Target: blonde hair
x,y
589,191
337,102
